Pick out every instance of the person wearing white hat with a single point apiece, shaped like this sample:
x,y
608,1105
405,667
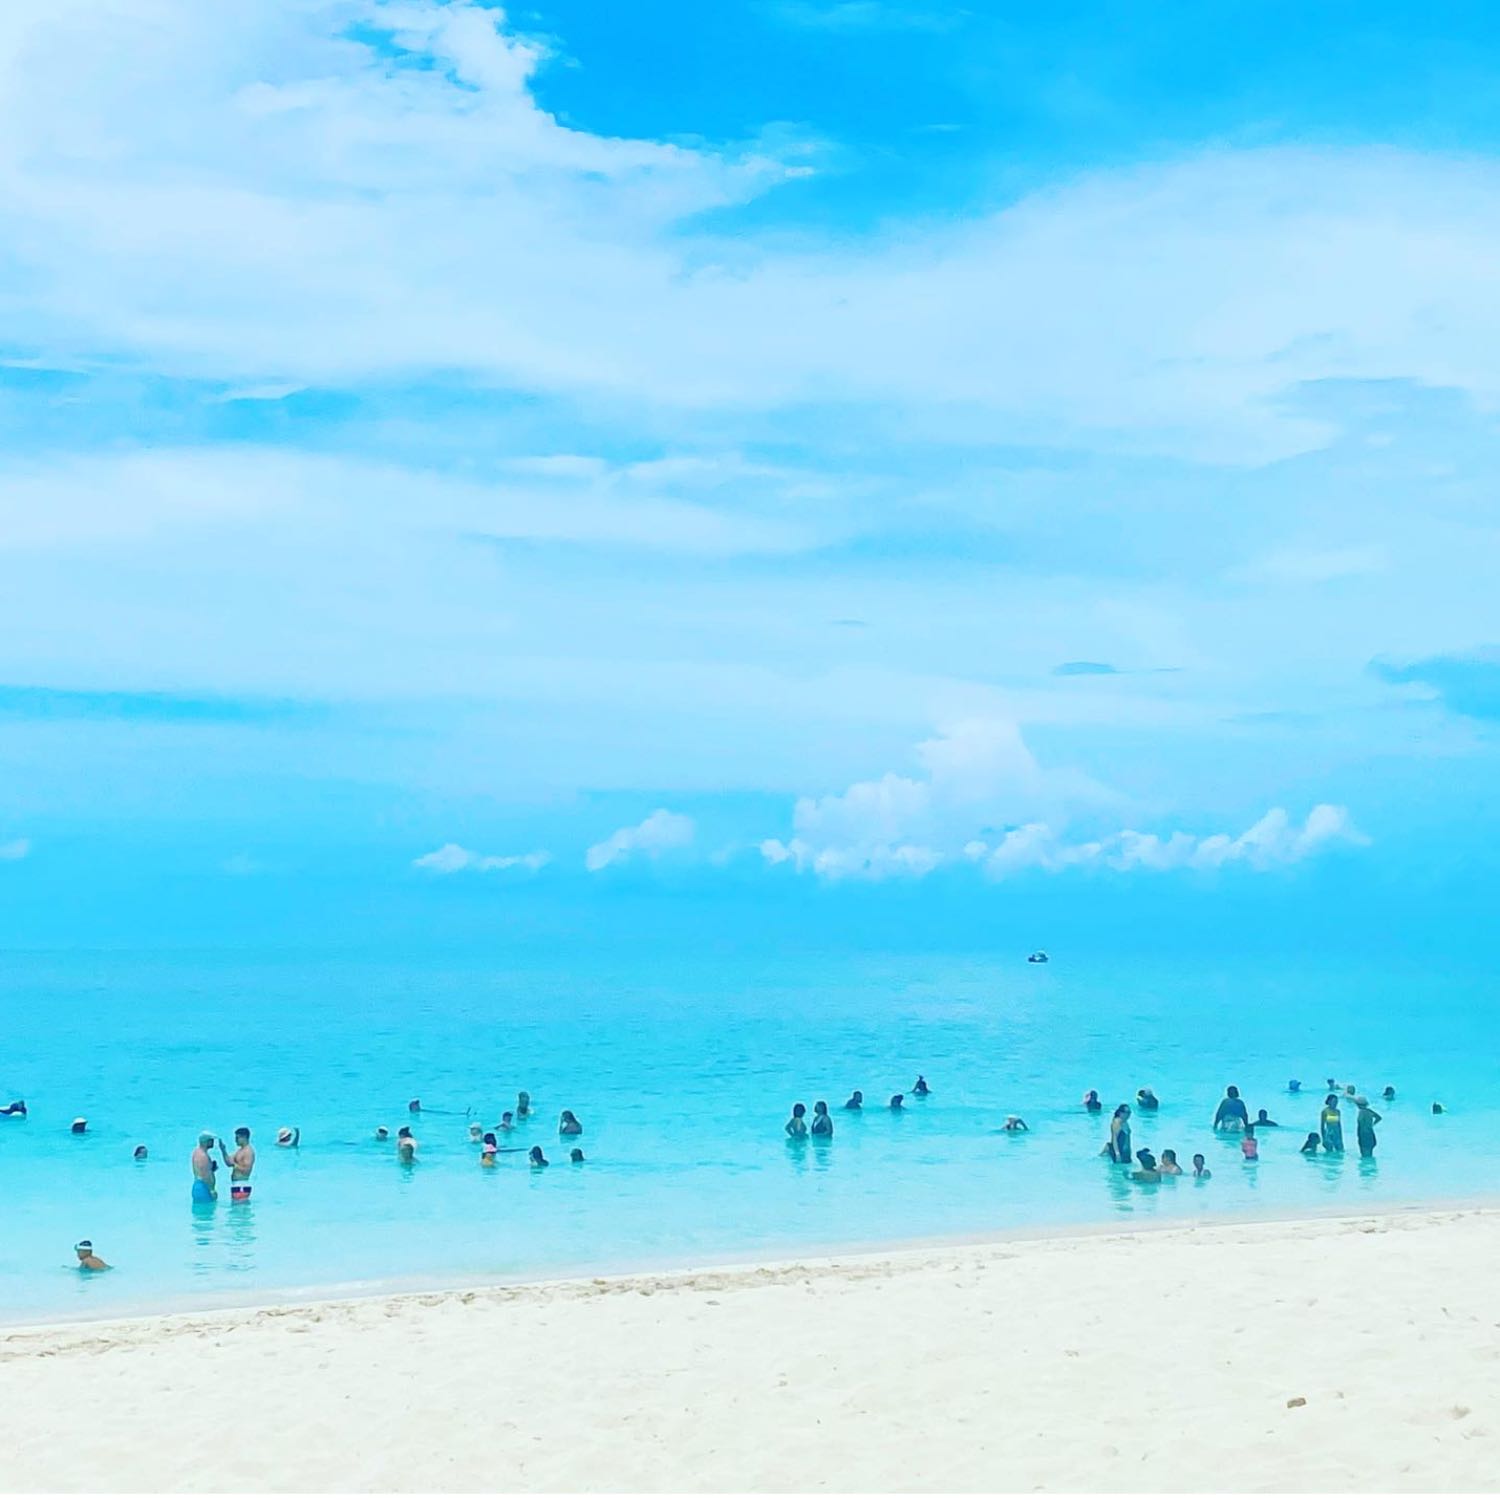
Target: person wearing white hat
x,y
80,1125
287,1136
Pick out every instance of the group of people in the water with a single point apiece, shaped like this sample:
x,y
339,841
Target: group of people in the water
x,y
799,1127
1233,1117
488,1141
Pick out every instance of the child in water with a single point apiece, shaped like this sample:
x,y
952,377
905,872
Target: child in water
x,y
1249,1146
1200,1167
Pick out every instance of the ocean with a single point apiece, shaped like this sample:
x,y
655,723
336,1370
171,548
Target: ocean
x,y
683,1067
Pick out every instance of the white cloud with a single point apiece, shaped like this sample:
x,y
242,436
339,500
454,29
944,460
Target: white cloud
x,y
452,859
653,836
15,849
981,774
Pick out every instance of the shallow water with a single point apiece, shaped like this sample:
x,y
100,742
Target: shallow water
x,y
683,1072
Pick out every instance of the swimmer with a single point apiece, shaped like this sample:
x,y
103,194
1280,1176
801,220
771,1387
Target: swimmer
x,y
139,1154
568,1124
1437,1108
16,1108
1331,1125
1092,1102
289,1136
1349,1091
523,1105
241,1164
490,1143
475,1131
856,1100
1364,1127
507,1121
919,1088
535,1157
576,1157
1015,1123
1200,1167
1387,1093
406,1145
1169,1166
382,1133
1249,1146
1310,1146
796,1127
87,1260
79,1126
822,1121
486,1156
1147,1100
1119,1136
414,1106
205,1188
1148,1170
1294,1085
1231,1113
1264,1121
898,1101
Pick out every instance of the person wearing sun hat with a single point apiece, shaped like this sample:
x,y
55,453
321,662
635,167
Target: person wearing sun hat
x,y
287,1136
1364,1126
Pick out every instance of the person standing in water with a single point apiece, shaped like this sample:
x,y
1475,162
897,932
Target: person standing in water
x,y
406,1146
1231,1113
1093,1103
1249,1146
796,1127
898,1101
205,1186
568,1124
1119,1136
856,1100
1168,1166
822,1121
1200,1167
1364,1127
919,1088
1146,1100
535,1157
523,1105
241,1164
1331,1125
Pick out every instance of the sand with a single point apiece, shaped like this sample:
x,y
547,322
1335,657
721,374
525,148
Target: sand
x,y
1156,1360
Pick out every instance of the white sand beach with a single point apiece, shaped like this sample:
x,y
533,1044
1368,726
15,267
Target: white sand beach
x,y
1158,1360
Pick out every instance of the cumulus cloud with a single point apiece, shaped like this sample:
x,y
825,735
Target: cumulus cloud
x,y
453,859
979,775
654,836
15,849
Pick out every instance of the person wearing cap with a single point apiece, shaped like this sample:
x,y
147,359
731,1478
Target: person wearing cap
x,y
288,1136
205,1186
241,1164
87,1260
79,1126
1364,1126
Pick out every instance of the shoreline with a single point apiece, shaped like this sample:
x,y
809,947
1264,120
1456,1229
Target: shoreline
x,y
778,1261
1346,1353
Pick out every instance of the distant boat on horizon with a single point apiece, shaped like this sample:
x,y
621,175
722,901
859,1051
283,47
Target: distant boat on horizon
x,y
1038,958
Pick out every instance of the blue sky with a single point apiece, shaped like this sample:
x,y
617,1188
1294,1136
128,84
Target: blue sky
x,y
798,452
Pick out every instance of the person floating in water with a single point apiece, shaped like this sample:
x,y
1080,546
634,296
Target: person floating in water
x,y
16,1108
87,1260
406,1146
898,1101
414,1106
289,1136
205,1185
1092,1102
1310,1145
1364,1126
1169,1166
1200,1167
822,1121
241,1164
1331,1125
1231,1113
1146,1100
535,1157
139,1154
576,1157
1015,1123
523,1105
1263,1121
568,1124
1249,1146
507,1121
79,1126
1119,1136
1148,1170
919,1088
796,1127
856,1100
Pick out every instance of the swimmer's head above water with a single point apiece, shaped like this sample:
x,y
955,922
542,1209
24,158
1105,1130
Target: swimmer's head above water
x,y
855,1100
139,1154
535,1157
898,1101
382,1133
575,1156
79,1126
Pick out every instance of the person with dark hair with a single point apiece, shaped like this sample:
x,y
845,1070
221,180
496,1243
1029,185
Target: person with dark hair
x,y
822,1121
1437,1108
139,1154
241,1164
1331,1125
406,1146
1231,1113
1311,1144
1119,1136
1364,1127
1263,1121
79,1126
796,1127
1249,1146
568,1124
507,1121
919,1088
16,1108
1148,1170
576,1157
535,1157
1169,1166
1093,1103
1200,1167
1146,1100
856,1100
87,1260
523,1105
1387,1093
898,1101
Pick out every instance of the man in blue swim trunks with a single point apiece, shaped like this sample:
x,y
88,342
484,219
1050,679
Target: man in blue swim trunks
x,y
205,1190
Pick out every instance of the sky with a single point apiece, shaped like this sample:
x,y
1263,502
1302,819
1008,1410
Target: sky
x,y
921,463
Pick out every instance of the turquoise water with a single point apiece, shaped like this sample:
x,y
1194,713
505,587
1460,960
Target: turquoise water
x,y
683,1071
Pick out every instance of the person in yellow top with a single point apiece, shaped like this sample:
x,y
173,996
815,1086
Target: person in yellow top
x,y
1331,1125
